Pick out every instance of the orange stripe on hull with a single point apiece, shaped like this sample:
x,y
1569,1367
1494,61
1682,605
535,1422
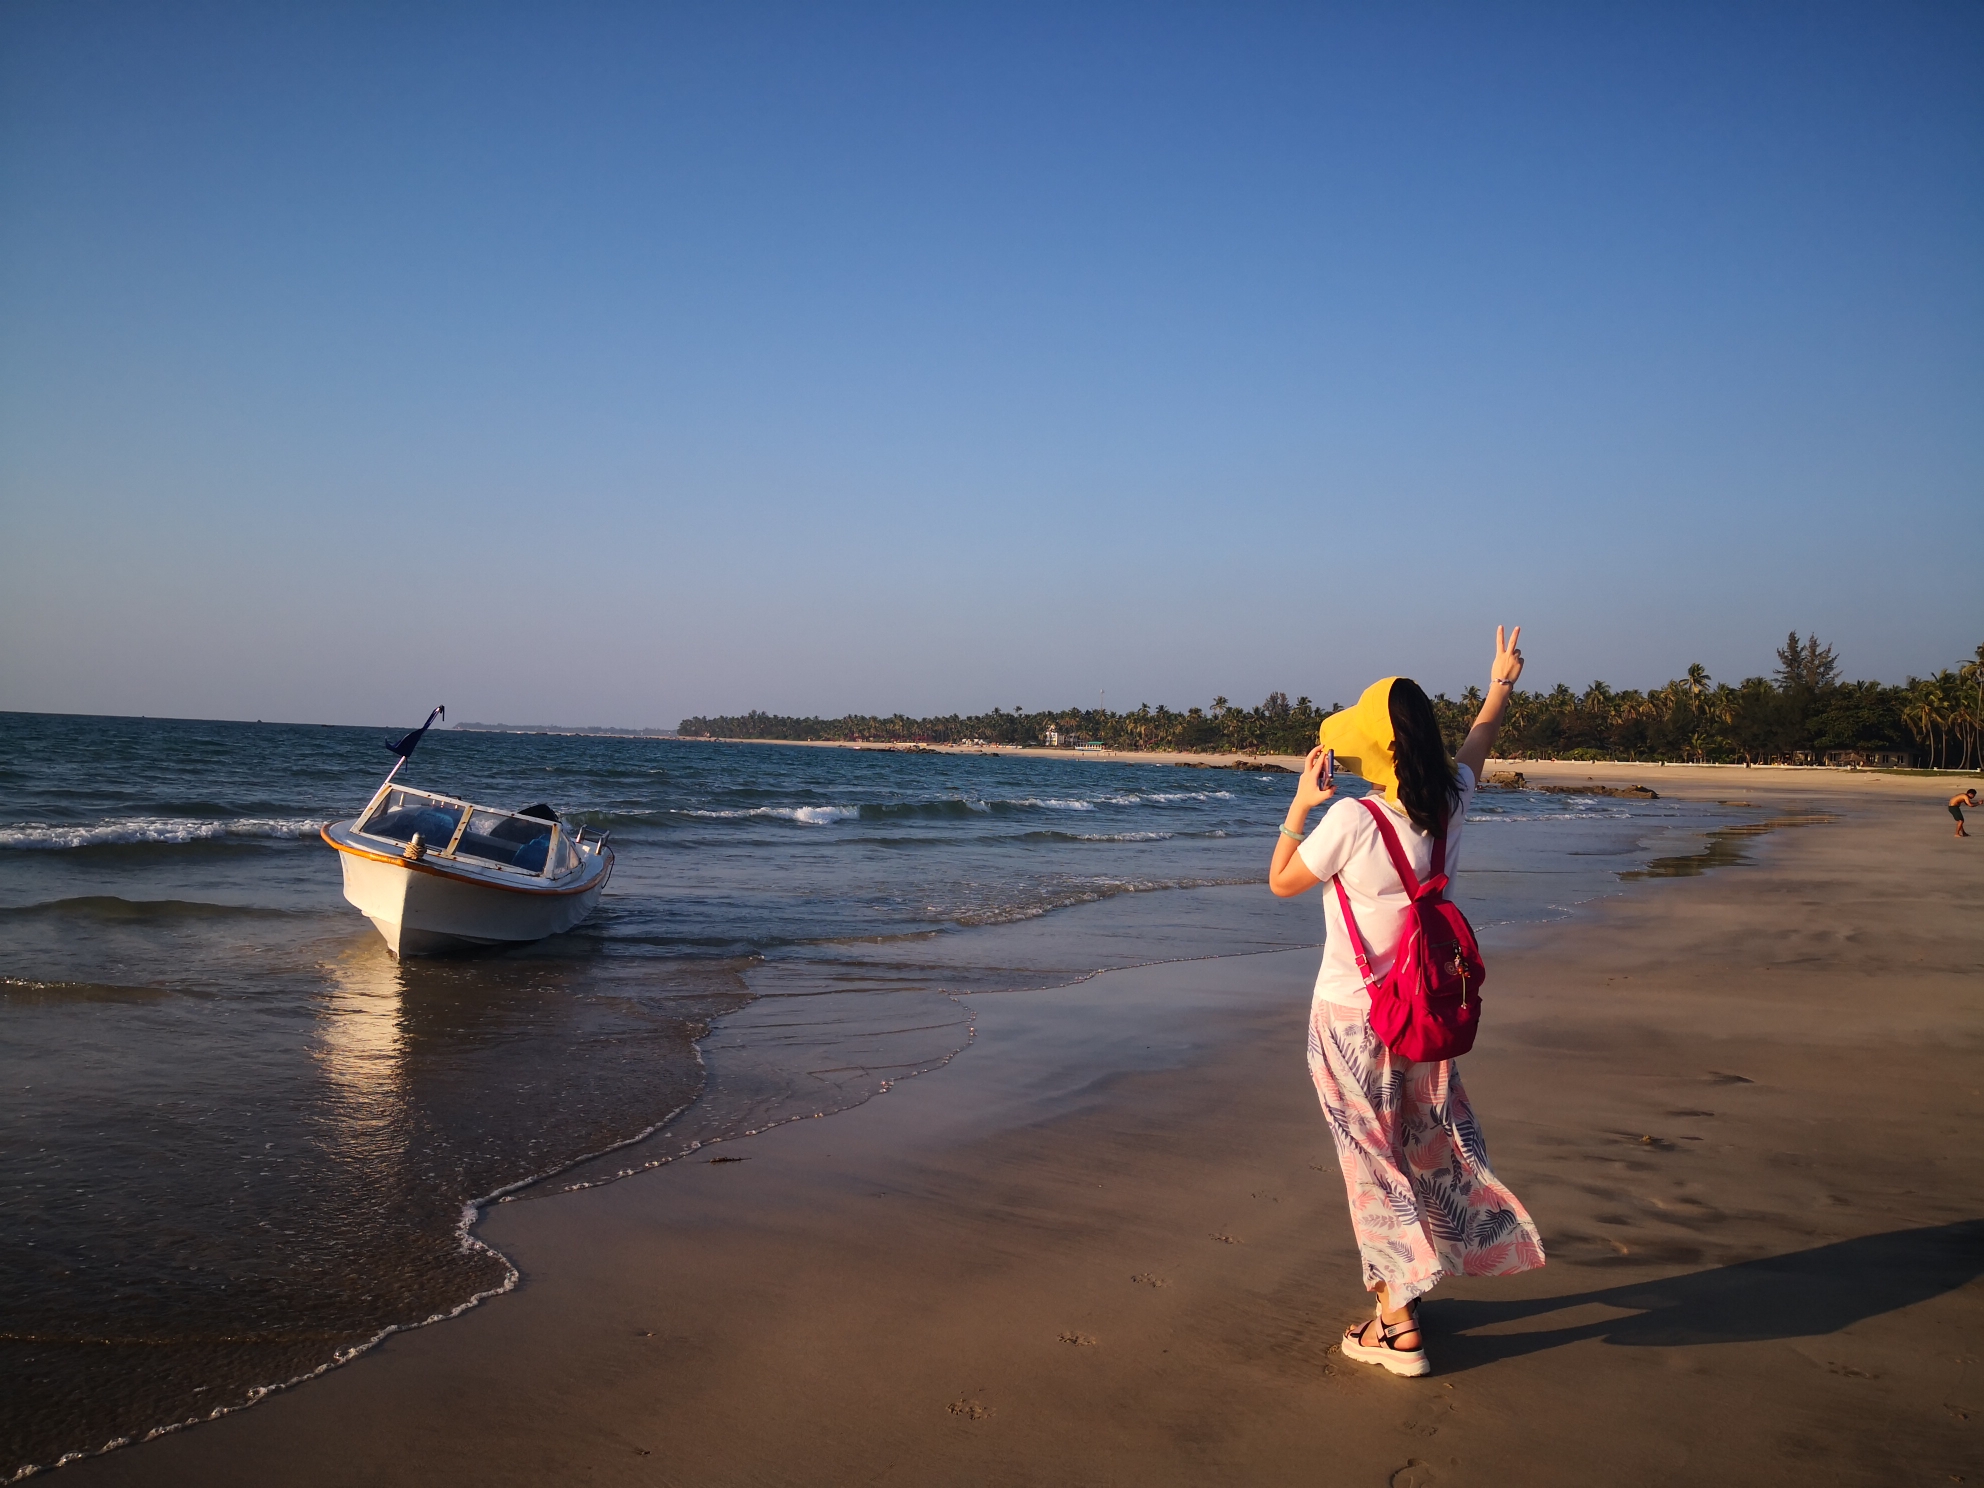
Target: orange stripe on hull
x,y
423,866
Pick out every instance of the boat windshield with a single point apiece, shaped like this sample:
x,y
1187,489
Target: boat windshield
x,y
564,857
405,812
514,841
527,843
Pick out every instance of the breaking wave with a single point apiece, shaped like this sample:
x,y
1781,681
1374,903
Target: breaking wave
x,y
145,831
1597,814
1110,836
945,807
812,816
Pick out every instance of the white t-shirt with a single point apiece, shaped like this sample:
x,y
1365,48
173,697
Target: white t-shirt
x,y
1346,842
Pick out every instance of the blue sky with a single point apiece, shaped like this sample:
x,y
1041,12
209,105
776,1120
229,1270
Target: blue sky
x,y
612,363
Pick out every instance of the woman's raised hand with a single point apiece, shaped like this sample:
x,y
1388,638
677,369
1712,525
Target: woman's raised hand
x,y
1288,875
1312,789
1473,751
1508,658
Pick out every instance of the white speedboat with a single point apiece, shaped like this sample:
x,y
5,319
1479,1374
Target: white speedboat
x,y
436,873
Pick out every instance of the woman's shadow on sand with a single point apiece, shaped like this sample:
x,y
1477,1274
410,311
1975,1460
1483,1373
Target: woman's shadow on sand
x,y
1803,1295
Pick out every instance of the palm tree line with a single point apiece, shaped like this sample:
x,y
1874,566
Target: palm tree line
x,y
1804,713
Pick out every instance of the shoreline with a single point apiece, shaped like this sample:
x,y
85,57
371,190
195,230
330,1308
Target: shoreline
x,y
1101,1245
1700,777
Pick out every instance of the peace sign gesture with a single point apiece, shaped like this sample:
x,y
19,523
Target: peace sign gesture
x,y
1501,687
1508,658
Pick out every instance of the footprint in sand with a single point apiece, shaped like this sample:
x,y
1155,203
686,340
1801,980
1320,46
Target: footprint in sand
x,y
1415,1474
971,1410
1228,1239
1149,1279
1079,1340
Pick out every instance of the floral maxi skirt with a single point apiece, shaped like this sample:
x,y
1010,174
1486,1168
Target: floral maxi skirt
x,y
1423,1201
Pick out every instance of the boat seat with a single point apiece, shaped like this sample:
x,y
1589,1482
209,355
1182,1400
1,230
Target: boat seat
x,y
495,847
514,829
434,825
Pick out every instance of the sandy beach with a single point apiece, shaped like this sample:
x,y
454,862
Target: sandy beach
x,y
1213,761
1702,782
1107,1244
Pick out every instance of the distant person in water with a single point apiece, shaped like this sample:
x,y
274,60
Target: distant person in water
x,y
1957,802
1423,1202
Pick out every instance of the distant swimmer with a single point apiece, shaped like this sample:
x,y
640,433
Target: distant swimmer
x,y
1957,802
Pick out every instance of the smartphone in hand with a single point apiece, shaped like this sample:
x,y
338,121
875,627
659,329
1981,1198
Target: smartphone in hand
x,y
1329,766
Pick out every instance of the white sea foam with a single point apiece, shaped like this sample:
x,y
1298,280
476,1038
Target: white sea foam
x,y
820,816
1141,798
1536,816
40,836
812,816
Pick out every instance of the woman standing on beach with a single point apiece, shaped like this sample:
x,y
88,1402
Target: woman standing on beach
x,y
1423,1201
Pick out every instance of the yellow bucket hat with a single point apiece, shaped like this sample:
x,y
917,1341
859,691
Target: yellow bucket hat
x,y
1362,738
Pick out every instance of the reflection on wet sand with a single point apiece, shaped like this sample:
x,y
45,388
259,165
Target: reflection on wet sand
x,y
361,1048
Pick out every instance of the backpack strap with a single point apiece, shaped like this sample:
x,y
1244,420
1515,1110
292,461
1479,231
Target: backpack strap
x,y
1356,935
1436,880
1397,849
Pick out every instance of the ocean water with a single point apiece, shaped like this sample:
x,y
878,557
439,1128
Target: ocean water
x,y
241,1142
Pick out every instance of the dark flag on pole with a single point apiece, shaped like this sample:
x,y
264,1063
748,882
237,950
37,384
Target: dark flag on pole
x,y
407,743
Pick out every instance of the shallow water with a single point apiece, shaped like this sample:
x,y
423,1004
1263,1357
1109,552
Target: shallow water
x,y
242,1140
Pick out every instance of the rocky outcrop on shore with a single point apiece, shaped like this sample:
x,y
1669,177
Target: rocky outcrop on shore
x,y
1259,767
1516,780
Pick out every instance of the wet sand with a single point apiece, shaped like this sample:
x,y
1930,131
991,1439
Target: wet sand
x,y
1108,1243
1214,761
1695,782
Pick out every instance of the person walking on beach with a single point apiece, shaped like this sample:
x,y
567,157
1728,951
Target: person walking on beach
x,y
1957,802
1423,1201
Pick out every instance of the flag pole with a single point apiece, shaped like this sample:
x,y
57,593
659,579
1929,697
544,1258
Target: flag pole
x,y
404,747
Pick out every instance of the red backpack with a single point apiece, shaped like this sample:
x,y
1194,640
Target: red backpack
x,y
1429,1003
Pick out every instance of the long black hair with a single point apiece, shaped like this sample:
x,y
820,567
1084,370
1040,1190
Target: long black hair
x,y
1428,786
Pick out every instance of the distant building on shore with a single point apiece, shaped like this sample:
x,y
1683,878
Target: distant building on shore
x,y
1055,739
1870,759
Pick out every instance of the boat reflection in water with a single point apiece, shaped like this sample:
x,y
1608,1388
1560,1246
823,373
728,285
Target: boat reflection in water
x,y
361,1047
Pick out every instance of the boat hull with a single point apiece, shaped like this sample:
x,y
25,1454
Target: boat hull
x,y
421,910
